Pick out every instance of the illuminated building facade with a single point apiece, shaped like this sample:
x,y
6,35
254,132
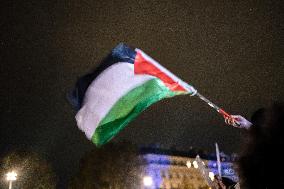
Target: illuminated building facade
x,y
179,172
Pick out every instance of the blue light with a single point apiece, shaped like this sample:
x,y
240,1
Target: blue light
x,y
156,165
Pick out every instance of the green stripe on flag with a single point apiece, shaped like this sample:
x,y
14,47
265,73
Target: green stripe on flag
x,y
128,107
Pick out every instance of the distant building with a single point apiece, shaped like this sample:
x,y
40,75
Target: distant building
x,y
170,171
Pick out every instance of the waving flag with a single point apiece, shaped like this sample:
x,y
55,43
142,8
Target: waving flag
x,y
125,83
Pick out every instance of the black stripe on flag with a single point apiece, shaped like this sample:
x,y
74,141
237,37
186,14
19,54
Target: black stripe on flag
x,y
121,53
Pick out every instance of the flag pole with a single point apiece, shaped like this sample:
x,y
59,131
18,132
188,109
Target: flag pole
x,y
194,92
218,160
214,106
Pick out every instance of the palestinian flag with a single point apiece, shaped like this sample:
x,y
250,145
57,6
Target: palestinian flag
x,y
124,84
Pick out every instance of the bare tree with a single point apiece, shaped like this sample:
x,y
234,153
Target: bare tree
x,y
114,166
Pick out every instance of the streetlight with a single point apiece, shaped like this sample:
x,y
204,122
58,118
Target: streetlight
x,y
211,175
195,164
147,181
11,176
188,164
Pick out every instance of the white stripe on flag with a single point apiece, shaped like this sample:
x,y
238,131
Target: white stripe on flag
x,y
113,83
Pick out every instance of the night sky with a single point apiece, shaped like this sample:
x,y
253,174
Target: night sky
x,y
231,52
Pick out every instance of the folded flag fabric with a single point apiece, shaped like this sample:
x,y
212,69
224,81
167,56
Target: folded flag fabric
x,y
124,84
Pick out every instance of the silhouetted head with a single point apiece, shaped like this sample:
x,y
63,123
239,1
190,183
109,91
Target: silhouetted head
x,y
262,155
228,182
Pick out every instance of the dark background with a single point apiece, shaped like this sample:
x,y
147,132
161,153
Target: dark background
x,y
230,51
